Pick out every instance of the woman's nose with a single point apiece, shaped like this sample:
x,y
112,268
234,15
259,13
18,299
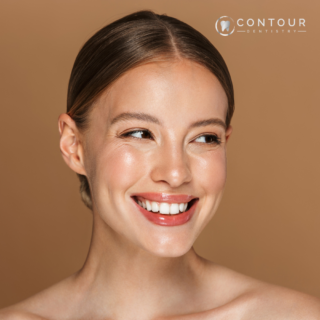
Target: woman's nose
x,y
171,166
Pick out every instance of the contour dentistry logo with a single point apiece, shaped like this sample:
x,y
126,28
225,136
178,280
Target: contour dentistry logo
x,y
225,25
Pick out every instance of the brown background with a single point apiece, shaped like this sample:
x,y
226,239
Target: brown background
x,y
267,224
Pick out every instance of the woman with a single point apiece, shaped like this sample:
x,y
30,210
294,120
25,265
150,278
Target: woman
x,y
150,103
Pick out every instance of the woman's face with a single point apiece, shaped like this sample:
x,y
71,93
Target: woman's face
x,y
157,140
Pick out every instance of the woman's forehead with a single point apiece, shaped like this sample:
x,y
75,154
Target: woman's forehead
x,y
166,88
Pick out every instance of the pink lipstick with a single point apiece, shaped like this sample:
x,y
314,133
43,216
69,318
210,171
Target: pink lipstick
x,y
162,202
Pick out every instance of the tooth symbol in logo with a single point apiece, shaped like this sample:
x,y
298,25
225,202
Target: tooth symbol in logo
x,y
225,25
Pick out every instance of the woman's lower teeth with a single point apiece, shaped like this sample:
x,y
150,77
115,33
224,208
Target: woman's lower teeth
x,y
163,207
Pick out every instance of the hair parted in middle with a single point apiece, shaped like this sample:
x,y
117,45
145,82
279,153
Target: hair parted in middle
x,y
129,42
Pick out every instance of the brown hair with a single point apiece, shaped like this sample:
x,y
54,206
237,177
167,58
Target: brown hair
x,y
133,40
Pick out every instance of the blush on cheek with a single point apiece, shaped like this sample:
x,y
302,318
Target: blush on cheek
x,y
212,172
122,168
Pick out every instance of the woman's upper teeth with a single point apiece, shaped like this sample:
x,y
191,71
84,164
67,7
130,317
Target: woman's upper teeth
x,y
163,207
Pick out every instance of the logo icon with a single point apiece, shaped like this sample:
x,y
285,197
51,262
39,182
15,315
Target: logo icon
x,y
225,26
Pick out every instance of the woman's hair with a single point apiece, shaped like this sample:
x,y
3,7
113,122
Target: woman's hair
x,y
133,40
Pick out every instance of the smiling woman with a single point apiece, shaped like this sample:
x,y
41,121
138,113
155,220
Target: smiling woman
x,y
150,103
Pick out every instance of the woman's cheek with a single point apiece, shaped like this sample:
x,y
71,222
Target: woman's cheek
x,y
122,167
210,171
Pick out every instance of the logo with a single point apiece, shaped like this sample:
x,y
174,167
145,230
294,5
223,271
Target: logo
x,y
225,26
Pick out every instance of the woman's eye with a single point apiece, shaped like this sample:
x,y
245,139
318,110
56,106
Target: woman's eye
x,y
209,139
139,134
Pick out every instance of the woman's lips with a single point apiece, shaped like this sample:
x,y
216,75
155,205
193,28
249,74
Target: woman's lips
x,y
164,201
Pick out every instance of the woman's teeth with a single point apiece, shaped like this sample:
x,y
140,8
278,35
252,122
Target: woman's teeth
x,y
163,207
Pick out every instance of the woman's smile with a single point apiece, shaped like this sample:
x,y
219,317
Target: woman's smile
x,y
166,209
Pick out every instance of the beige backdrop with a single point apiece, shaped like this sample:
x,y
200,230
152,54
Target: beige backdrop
x,y
267,225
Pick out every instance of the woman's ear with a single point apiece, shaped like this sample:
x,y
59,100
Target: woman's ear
x,y
70,144
228,132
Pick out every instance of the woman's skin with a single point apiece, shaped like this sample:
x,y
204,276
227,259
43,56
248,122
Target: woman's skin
x,y
160,128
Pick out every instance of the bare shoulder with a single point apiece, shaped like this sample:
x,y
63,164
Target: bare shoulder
x,y
11,314
42,305
247,298
276,302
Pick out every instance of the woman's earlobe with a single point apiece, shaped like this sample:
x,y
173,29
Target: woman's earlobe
x,y
70,146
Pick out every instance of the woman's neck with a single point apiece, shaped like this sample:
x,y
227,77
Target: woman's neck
x,y
120,278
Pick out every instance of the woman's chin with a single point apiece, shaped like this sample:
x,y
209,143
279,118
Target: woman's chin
x,y
169,252
168,248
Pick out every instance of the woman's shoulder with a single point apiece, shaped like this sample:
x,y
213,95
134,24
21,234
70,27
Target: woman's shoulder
x,y
248,298
42,305
12,314
275,302
22,310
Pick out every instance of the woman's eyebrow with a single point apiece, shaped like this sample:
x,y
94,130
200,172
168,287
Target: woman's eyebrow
x,y
135,115
206,122
147,117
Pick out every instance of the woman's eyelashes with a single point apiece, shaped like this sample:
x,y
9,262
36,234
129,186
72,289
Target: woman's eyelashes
x,y
210,139
138,134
